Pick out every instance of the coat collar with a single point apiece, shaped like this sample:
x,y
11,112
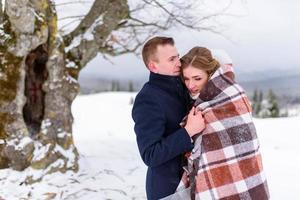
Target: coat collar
x,y
167,83
172,85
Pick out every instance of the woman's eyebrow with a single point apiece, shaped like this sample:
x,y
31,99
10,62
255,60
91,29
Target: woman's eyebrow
x,y
196,76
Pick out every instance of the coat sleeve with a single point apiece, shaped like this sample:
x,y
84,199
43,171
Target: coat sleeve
x,y
150,122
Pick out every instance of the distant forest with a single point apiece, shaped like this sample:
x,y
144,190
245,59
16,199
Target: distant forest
x,y
268,98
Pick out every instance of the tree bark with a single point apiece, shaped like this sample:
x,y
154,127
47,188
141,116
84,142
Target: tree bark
x,y
36,91
18,37
1,12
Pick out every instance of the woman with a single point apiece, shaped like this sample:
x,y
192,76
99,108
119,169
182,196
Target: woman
x,y
225,162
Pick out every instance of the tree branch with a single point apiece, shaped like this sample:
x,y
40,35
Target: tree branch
x,y
72,17
115,12
97,9
140,23
68,24
72,2
172,15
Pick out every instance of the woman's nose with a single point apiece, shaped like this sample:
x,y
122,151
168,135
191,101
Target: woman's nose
x,y
190,85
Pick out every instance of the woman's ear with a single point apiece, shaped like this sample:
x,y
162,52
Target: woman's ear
x,y
152,67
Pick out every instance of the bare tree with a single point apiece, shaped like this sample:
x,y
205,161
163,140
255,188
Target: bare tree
x,y
39,68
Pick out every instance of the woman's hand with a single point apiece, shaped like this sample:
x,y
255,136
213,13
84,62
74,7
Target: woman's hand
x,y
195,122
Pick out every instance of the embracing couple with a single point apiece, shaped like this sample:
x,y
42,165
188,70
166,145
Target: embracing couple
x,y
194,128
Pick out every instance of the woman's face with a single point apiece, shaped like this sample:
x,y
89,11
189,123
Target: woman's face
x,y
194,79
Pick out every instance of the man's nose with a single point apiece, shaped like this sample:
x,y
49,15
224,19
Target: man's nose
x,y
178,63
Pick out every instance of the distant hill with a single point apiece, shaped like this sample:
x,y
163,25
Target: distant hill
x,y
258,75
287,88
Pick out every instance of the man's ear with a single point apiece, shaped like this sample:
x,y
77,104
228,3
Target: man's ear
x,y
152,67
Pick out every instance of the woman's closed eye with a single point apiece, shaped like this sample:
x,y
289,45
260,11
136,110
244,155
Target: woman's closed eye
x,y
196,79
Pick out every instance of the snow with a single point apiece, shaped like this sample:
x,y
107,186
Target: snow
x,y
40,151
3,4
111,167
70,79
23,142
45,123
67,154
279,139
71,64
18,145
62,134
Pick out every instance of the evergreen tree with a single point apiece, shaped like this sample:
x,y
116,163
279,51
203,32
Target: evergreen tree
x,y
265,109
254,102
259,102
269,106
260,96
115,86
118,88
130,87
274,108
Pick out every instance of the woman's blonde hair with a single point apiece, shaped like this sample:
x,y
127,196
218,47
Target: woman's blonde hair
x,y
201,58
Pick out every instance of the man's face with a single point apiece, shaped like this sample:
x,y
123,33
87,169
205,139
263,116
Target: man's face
x,y
167,61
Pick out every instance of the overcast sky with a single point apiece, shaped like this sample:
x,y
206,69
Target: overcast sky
x,y
267,36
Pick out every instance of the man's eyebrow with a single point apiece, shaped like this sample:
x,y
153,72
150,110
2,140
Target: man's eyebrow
x,y
174,56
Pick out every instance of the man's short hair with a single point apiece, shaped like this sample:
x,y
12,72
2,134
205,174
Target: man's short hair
x,y
150,47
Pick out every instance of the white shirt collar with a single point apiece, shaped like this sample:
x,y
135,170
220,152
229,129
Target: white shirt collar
x,y
195,96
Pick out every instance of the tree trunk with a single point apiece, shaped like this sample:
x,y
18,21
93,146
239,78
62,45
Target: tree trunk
x,y
36,91
1,13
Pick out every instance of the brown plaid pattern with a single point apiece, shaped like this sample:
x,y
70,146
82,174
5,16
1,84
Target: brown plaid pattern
x,y
227,152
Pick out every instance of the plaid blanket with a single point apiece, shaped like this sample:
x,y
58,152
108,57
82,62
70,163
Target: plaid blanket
x,y
225,162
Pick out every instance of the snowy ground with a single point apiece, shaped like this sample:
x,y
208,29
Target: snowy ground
x,y
110,166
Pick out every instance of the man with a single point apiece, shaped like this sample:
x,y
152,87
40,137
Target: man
x,y
158,109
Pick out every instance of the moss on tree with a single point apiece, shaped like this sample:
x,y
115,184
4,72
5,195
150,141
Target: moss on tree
x,y
10,70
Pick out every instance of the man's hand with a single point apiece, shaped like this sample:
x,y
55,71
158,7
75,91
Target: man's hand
x,y
195,122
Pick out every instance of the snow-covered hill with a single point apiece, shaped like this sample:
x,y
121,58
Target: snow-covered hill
x,y
111,168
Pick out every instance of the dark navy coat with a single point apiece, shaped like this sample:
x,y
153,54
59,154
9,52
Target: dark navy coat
x,y
157,111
